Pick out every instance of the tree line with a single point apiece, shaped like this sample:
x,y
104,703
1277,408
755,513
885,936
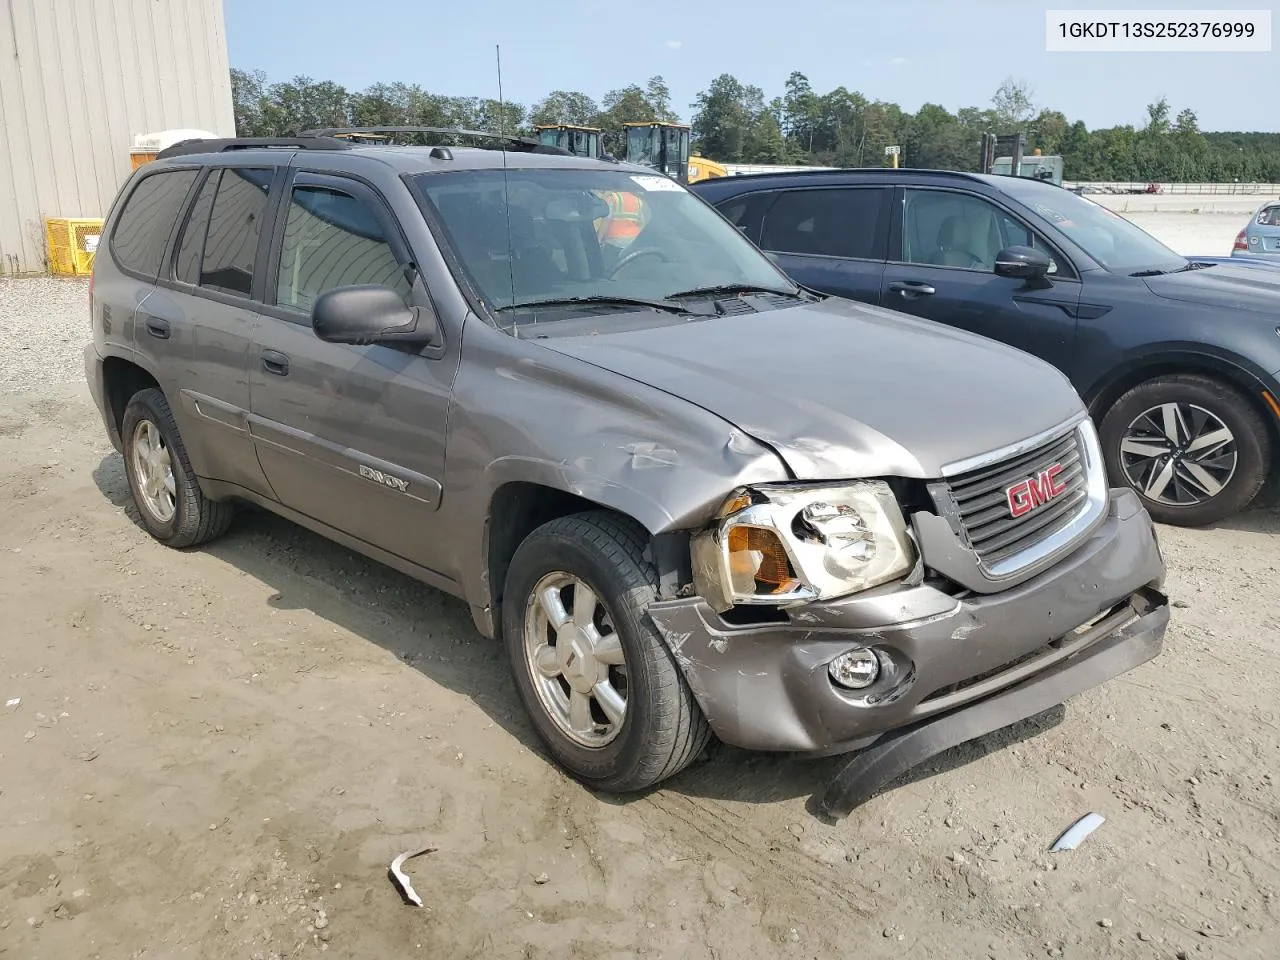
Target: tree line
x,y
733,122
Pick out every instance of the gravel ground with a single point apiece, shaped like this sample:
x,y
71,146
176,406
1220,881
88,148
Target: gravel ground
x,y
216,753
44,324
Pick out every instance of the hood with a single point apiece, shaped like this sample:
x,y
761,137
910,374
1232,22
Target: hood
x,y
1222,285
840,389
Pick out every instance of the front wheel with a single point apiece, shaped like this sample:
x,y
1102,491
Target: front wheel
x,y
1192,447
601,687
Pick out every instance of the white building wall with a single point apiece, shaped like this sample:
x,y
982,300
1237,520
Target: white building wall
x,y
78,80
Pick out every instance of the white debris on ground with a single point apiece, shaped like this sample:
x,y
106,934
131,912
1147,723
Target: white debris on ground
x,y
44,325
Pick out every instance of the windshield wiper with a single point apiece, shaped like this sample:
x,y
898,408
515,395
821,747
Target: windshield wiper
x,y
607,301
1148,273
728,288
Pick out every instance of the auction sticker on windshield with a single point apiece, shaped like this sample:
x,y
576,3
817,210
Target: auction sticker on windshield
x,y
657,183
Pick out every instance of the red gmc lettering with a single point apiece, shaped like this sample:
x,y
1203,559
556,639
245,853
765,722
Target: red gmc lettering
x,y
1025,495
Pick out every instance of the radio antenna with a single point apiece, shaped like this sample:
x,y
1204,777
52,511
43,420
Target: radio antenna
x,y
502,109
506,189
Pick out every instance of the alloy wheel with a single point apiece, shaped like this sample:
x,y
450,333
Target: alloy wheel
x,y
575,659
153,469
1178,454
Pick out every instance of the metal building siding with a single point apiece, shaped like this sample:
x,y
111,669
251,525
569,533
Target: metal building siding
x,y
78,80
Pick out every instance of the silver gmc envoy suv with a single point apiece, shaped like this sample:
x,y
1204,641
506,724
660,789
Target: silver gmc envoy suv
x,y
690,497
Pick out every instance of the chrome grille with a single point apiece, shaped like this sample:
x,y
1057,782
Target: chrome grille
x,y
980,505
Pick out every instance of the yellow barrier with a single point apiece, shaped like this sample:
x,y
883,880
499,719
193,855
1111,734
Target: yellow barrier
x,y
72,243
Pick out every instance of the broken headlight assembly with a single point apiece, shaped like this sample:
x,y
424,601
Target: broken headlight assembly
x,y
785,544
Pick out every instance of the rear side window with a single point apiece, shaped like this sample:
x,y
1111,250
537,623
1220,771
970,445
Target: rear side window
x,y
191,246
235,224
831,223
142,230
333,239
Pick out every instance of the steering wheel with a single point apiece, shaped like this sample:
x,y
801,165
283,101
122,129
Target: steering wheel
x,y
629,258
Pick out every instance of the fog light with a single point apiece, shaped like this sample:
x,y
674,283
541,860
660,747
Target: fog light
x,y
855,669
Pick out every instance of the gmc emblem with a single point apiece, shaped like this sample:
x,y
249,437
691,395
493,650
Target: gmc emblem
x,y
1025,495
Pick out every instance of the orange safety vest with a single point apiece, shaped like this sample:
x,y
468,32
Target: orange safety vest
x,y
625,218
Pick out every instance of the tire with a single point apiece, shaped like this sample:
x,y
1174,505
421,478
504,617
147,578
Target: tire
x,y
662,730
1239,467
194,518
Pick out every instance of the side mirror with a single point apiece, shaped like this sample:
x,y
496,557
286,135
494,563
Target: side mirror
x,y
371,314
1022,263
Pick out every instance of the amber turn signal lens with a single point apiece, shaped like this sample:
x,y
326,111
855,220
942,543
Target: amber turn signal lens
x,y
758,562
738,502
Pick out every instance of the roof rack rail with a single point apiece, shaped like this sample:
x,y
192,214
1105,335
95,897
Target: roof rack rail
x,y
524,143
818,172
222,144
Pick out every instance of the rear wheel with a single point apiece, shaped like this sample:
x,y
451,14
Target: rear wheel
x,y
173,507
1192,447
601,687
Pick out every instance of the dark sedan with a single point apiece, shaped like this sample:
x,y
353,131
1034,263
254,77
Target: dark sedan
x,y
1178,360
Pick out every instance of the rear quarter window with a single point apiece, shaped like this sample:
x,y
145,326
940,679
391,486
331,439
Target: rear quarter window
x,y
142,230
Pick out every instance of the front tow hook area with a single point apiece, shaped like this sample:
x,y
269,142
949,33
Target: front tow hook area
x,y
872,769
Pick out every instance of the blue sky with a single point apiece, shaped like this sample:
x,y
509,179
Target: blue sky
x,y
953,52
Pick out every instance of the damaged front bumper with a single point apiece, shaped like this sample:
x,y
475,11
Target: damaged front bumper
x,y
1093,615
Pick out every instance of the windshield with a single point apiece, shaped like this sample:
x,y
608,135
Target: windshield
x,y
1107,237
644,146
1269,216
537,235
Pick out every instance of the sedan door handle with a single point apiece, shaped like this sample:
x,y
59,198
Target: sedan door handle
x,y
273,361
912,288
158,328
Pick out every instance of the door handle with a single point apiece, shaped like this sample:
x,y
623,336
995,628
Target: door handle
x,y
912,288
158,328
273,361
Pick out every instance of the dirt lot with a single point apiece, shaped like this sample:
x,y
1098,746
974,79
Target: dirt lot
x,y
217,753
